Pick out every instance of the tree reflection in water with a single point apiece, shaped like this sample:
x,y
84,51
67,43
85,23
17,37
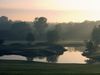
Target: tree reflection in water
x,y
92,52
52,59
49,58
72,55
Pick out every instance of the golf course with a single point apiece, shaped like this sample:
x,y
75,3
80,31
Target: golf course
x,y
15,67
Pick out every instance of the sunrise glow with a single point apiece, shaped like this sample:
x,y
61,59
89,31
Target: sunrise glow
x,y
54,10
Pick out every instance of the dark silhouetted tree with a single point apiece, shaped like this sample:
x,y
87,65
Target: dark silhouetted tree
x,y
5,23
40,25
52,59
20,30
90,46
52,36
1,42
30,38
96,35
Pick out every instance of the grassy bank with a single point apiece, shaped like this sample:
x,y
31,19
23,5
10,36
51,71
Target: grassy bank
x,y
36,68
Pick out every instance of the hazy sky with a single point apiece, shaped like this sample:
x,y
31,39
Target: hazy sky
x,y
54,10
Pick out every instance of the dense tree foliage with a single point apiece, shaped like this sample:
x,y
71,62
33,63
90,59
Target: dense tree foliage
x,y
40,25
53,35
5,23
96,34
30,38
43,31
20,30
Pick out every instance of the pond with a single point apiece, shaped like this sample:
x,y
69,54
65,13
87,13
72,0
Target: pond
x,y
73,55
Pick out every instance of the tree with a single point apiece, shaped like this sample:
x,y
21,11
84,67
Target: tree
x,y
40,25
53,35
5,23
3,19
52,59
1,42
20,30
96,35
90,46
30,38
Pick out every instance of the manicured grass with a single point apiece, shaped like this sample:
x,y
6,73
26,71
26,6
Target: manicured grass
x,y
36,68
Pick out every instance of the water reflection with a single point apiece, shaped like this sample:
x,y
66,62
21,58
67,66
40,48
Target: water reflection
x,y
13,57
73,55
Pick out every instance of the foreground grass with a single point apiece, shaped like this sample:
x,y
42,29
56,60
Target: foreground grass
x,y
36,68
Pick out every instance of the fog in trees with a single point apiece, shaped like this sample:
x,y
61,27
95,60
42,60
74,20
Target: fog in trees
x,y
30,38
44,31
19,30
95,36
40,30
40,25
53,34
5,23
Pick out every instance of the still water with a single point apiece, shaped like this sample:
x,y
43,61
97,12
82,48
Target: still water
x,y
73,55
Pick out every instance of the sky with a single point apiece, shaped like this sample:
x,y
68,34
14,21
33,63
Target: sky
x,y
53,10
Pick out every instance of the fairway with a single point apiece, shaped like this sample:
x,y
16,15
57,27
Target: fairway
x,y
15,67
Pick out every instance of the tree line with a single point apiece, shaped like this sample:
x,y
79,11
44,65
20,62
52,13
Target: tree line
x,y
19,30
41,30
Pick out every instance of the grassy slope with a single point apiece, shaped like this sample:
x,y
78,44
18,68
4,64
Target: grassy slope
x,y
35,68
